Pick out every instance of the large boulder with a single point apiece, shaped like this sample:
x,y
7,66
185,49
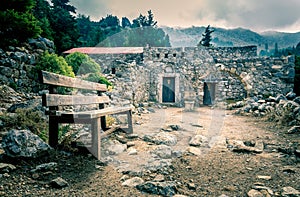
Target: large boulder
x,y
23,143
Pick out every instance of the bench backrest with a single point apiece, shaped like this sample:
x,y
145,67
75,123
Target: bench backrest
x,y
56,80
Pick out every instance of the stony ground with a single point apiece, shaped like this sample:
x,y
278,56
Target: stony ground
x,y
264,164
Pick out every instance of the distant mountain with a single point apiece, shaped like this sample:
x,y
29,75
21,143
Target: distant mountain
x,y
180,37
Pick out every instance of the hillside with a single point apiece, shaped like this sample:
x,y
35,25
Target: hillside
x,y
180,37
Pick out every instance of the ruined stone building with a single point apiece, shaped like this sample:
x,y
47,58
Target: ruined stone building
x,y
180,76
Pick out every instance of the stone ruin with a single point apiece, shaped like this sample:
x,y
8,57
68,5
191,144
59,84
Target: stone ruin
x,y
193,75
174,76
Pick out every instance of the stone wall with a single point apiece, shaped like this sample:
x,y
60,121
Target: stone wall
x,y
17,63
234,72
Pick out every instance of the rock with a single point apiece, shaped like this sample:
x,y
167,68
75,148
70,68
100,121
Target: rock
x,y
113,147
263,188
297,100
23,143
159,165
124,177
45,167
132,151
174,127
294,129
254,193
59,183
198,140
133,182
35,105
194,150
130,144
132,136
167,188
279,98
161,138
264,177
291,95
196,125
289,192
163,151
191,186
240,147
259,145
159,178
5,167
289,169
179,195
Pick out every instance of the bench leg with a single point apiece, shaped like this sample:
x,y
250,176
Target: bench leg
x,y
96,140
129,121
103,123
53,131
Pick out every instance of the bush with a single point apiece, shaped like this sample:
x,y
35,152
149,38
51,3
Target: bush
x,y
27,119
56,64
96,77
82,64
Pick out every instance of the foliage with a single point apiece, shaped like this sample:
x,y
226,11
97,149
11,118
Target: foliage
x,y
205,41
98,78
82,64
108,32
64,25
56,64
42,12
27,119
17,22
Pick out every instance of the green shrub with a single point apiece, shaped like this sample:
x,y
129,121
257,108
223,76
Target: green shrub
x,y
26,119
96,77
56,64
82,64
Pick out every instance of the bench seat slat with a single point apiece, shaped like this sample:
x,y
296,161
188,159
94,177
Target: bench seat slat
x,y
61,80
95,113
60,100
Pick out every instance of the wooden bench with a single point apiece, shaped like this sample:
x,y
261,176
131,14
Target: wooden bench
x,y
55,102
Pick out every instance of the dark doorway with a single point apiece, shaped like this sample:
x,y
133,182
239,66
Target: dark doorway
x,y
168,90
209,93
113,71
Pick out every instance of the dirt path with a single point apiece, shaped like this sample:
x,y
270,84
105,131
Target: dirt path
x,y
214,171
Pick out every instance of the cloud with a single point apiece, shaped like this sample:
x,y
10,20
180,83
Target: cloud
x,y
96,9
254,14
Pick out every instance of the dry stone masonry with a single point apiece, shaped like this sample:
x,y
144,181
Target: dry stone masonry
x,y
184,76
180,76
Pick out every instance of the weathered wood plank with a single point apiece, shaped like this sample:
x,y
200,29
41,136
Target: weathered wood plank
x,y
96,141
95,113
61,80
59,100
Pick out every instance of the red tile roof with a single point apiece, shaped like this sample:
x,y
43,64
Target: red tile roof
x,y
107,50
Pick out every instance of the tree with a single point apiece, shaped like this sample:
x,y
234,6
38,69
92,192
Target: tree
x,y
144,21
64,25
205,41
42,12
17,23
125,22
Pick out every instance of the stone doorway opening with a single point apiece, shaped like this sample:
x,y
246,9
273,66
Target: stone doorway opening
x,y
168,92
209,93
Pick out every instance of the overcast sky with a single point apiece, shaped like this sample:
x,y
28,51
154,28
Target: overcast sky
x,y
257,15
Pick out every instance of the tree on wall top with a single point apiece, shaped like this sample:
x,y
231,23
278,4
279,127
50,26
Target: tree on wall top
x,y
206,37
